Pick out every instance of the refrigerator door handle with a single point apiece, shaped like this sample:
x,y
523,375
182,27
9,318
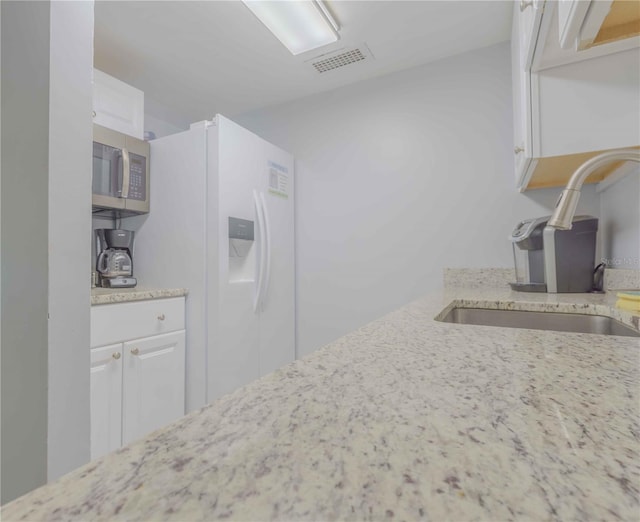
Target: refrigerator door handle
x,y
267,271
261,231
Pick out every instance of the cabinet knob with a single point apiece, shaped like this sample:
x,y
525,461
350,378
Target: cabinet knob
x,y
524,5
116,355
135,351
518,150
93,113
161,317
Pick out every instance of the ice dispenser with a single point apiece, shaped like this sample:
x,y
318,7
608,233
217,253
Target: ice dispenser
x,y
240,237
554,261
241,256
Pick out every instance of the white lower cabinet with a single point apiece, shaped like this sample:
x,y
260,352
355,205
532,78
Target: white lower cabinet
x,y
106,399
137,385
153,384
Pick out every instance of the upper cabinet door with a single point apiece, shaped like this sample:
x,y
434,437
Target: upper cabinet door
x,y
528,16
583,24
117,105
578,30
154,381
524,33
571,14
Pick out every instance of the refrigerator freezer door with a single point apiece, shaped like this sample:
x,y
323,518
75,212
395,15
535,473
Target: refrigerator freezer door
x,y
233,325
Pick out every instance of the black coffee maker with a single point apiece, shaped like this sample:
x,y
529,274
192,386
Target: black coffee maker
x,y
554,261
114,258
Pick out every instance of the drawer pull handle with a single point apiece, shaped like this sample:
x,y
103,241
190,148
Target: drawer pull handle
x,y
116,355
518,150
135,351
161,317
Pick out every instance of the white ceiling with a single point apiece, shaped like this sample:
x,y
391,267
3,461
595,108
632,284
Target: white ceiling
x,y
196,59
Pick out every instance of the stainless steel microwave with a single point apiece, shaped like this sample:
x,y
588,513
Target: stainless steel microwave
x,y
120,173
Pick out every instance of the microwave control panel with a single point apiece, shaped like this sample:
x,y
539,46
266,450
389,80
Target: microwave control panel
x,y
137,177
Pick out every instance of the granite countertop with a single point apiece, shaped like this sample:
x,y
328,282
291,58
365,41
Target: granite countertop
x,y
406,418
123,295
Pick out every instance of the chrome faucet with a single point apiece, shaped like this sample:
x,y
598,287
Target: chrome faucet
x,y
568,201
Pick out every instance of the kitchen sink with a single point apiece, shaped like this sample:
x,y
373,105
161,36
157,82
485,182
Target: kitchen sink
x,y
561,322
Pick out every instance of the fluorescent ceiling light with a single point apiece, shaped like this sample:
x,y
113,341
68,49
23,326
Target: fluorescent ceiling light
x,y
301,25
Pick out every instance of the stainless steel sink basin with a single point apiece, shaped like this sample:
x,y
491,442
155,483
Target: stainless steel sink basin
x,y
562,322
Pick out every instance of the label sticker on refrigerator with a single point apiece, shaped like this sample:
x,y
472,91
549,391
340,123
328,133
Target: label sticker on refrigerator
x,y
278,179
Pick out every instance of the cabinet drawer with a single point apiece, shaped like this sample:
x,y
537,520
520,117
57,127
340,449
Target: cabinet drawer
x,y
112,323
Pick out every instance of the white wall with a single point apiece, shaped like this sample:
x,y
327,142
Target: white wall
x,y
571,99
159,126
396,178
70,136
620,222
47,61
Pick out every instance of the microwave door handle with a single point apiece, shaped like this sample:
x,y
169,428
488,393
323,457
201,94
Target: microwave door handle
x,y
126,174
115,173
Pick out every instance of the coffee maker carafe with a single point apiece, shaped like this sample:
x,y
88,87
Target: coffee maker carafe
x,y
114,258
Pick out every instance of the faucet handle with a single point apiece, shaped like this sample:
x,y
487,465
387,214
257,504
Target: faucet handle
x,y
598,278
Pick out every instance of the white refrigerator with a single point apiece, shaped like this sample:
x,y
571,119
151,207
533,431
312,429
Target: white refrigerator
x,y
221,225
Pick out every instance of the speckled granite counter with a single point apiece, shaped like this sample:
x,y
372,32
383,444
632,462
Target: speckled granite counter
x,y
123,295
406,418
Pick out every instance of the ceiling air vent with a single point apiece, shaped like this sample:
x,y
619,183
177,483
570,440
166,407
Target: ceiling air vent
x,y
341,58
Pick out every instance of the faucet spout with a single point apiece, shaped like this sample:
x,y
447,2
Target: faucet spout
x,y
568,201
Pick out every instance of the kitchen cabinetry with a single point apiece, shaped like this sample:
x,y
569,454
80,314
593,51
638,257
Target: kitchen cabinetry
x,y
117,105
524,31
583,24
138,381
568,108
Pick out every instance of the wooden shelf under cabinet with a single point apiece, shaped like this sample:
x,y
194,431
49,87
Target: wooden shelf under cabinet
x,y
622,21
555,171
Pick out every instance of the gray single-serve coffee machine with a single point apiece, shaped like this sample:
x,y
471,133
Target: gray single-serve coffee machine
x,y
114,258
554,261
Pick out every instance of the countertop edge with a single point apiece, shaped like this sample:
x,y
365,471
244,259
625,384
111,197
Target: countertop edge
x,y
101,296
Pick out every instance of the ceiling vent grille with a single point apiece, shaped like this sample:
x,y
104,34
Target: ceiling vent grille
x,y
330,62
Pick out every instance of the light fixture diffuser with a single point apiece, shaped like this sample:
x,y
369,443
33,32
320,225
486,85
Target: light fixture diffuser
x,y
301,25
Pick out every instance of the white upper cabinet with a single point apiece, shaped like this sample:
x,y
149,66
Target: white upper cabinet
x,y
571,14
569,104
117,105
576,30
527,16
584,24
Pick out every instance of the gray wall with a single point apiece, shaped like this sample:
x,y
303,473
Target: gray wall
x,y
159,126
25,112
620,222
396,178
47,58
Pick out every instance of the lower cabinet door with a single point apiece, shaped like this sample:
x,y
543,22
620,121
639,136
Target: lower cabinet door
x,y
106,399
153,383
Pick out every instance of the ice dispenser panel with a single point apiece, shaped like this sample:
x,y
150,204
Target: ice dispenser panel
x,y
241,251
240,237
